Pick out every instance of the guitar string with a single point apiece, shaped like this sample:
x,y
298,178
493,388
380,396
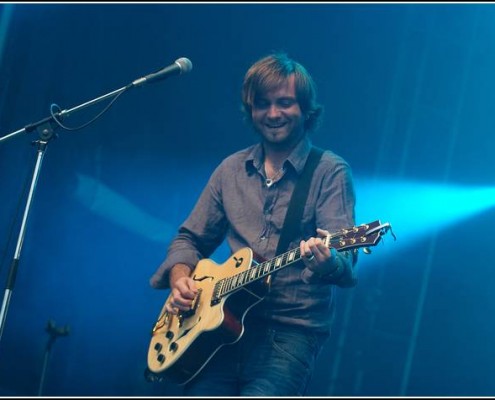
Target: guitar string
x,y
330,239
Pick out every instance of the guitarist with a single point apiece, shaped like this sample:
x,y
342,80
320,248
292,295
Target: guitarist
x,y
245,202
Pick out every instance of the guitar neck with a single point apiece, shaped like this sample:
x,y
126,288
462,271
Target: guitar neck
x,y
358,236
231,284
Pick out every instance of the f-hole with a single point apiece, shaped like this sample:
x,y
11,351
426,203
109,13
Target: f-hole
x,y
238,261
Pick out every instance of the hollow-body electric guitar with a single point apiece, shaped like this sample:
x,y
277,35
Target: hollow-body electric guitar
x,y
181,345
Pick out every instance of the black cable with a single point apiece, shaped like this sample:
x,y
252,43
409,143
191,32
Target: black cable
x,y
59,123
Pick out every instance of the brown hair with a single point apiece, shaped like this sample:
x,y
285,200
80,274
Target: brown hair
x,y
271,71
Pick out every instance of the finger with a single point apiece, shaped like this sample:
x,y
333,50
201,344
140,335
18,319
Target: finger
x,y
304,249
175,301
174,306
171,309
322,232
314,252
183,305
321,251
306,252
192,290
316,247
187,288
319,247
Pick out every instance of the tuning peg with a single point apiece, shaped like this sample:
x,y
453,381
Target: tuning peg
x,y
366,250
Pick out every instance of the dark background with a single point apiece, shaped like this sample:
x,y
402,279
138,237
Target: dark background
x,y
409,95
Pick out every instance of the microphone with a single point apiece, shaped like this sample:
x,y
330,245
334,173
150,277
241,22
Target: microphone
x,y
179,67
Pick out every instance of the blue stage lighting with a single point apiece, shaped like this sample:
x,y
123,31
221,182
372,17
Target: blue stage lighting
x,y
418,209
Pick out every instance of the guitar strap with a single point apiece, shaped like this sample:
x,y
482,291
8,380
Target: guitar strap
x,y
292,223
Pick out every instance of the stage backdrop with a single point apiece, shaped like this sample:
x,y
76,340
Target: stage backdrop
x,y
409,95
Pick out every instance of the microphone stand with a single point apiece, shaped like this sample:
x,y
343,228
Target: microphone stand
x,y
54,333
45,129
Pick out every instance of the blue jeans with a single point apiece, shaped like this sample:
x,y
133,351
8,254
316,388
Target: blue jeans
x,y
266,361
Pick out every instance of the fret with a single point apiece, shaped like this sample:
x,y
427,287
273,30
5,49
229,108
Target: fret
x,y
327,241
221,284
284,258
267,267
242,277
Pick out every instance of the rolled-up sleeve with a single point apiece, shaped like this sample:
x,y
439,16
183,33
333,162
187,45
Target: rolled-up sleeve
x,y
335,210
201,233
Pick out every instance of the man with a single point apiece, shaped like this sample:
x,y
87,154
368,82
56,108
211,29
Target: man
x,y
245,202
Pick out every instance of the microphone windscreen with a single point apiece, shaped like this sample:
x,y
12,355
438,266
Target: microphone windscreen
x,y
185,64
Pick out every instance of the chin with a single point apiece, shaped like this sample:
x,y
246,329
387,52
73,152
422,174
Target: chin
x,y
278,136
276,140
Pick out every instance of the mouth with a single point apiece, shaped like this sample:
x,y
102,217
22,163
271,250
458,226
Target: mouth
x,y
275,126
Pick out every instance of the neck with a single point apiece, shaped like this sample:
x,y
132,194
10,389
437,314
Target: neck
x,y
274,162
277,153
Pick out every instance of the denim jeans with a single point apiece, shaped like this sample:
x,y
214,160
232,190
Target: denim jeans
x,y
266,361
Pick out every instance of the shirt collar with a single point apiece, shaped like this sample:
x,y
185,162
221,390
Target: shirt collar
x,y
297,158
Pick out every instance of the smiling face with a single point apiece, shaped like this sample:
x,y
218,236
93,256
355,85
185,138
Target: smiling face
x,y
277,116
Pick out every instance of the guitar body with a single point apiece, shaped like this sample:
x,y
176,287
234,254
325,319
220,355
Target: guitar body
x,y
182,344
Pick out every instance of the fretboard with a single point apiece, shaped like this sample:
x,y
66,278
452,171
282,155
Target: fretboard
x,y
358,236
228,285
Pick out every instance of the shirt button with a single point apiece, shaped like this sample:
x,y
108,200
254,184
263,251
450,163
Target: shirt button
x,y
263,237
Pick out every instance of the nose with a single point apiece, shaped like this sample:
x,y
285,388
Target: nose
x,y
273,111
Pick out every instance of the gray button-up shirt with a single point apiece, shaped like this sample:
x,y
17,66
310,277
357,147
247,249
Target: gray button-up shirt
x,y
237,205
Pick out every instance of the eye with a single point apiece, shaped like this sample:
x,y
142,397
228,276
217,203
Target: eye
x,y
286,102
261,103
